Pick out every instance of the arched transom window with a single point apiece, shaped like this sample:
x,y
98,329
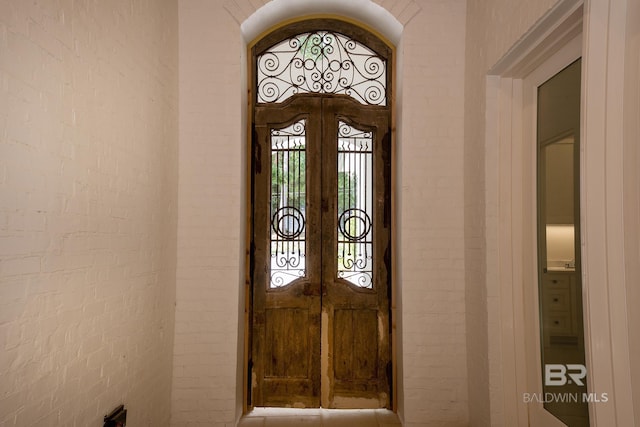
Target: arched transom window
x,y
321,62
341,60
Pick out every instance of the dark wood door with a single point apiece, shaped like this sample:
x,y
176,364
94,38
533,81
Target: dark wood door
x,y
321,254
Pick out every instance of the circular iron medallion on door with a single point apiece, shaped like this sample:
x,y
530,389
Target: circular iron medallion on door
x,y
288,222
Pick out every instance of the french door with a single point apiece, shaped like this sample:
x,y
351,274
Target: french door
x,y
320,264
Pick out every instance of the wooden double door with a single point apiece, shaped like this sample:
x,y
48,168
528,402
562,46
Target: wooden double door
x,y
321,254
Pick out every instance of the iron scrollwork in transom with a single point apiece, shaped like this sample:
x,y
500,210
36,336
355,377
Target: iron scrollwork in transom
x,y
321,62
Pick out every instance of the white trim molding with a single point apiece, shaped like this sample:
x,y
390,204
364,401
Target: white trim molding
x,y
278,11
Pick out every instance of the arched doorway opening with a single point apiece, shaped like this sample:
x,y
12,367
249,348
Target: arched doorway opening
x,y
320,259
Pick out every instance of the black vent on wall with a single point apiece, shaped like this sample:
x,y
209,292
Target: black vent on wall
x,y
117,418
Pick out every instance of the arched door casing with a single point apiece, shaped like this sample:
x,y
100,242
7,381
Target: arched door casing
x,y
321,219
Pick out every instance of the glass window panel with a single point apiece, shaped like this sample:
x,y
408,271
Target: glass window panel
x,y
559,276
355,205
288,204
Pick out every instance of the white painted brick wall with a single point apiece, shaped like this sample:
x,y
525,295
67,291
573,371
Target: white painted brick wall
x,y
431,250
210,218
493,26
88,210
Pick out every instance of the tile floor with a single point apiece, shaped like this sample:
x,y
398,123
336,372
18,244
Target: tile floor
x,y
284,417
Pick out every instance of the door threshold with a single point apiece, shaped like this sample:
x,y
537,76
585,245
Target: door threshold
x,y
319,417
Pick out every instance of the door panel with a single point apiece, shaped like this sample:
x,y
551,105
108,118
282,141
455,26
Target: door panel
x,y
286,312
353,344
321,254
355,299
287,343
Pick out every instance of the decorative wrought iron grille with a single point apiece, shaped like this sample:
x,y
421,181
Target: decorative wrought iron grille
x,y
321,62
288,203
355,205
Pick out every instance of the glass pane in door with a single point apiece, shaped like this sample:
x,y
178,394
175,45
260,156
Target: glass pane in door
x,y
288,203
559,278
355,205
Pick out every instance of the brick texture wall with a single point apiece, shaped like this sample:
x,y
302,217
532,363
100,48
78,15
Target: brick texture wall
x,y
210,225
88,210
430,223
493,26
